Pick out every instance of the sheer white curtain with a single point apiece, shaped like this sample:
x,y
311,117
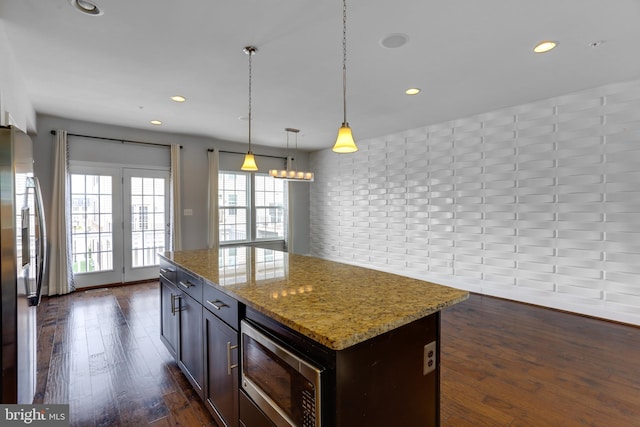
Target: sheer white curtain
x,y
60,268
213,238
176,205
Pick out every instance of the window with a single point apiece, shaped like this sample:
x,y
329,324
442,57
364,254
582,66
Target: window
x,y
148,219
92,223
251,207
233,204
269,207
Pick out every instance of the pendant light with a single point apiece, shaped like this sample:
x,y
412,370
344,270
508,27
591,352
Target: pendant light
x,y
249,163
344,142
290,173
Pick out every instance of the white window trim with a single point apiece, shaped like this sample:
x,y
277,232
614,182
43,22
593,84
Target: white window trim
x,y
251,212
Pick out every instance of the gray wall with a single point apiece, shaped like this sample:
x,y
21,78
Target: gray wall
x,y
194,172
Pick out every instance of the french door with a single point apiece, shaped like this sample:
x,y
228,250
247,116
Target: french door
x,y
119,220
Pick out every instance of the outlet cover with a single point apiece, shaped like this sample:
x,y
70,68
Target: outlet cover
x,y
430,361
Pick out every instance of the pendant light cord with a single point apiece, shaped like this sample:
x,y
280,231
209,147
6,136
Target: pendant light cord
x,y
250,52
344,59
288,155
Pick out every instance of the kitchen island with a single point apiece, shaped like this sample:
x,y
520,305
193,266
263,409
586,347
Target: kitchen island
x,y
375,335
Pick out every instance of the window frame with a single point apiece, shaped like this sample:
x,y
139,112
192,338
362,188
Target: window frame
x,y
234,207
251,209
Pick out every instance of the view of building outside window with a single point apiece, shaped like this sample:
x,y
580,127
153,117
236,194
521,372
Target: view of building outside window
x,y
148,225
233,205
269,207
91,223
234,202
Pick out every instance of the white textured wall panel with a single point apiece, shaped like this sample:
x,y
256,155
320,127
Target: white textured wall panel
x,y
538,203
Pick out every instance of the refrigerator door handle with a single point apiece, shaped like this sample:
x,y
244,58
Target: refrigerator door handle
x,y
41,243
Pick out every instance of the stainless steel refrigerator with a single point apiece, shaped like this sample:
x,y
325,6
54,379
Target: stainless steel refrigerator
x,y
23,252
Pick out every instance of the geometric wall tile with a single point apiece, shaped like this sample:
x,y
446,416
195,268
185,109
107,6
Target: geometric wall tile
x,y
538,202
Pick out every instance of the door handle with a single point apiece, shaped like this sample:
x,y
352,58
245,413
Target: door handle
x,y
186,284
217,304
174,298
229,365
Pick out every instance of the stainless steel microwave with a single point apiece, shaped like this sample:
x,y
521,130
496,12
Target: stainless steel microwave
x,y
284,386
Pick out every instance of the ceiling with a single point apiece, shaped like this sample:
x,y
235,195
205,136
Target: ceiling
x,y
467,56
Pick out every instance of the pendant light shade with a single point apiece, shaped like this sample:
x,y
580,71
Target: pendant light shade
x,y
344,142
249,163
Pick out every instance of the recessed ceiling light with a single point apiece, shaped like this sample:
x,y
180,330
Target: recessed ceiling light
x,y
412,91
596,43
394,41
545,46
178,98
156,122
87,7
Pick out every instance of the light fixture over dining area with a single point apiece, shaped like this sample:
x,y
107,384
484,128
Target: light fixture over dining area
x,y
290,173
249,163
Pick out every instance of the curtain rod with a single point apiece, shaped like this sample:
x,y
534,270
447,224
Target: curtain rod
x,y
242,154
53,132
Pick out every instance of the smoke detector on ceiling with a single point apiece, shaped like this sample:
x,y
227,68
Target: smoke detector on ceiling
x,y
87,7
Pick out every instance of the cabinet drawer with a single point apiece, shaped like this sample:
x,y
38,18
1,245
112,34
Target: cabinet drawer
x,y
168,271
250,415
191,284
220,304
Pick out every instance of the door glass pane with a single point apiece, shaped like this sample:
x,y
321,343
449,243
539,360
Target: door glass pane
x,y
147,220
92,223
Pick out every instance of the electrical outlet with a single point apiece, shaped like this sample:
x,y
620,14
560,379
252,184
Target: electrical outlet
x,y
429,358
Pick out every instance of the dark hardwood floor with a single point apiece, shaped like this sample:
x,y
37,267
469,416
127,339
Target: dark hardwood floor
x,y
100,351
503,364
512,364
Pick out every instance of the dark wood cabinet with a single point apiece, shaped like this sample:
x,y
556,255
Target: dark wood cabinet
x,y
221,370
199,328
190,348
376,383
169,307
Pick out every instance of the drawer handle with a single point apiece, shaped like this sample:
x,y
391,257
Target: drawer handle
x,y
217,304
229,365
167,270
186,284
174,308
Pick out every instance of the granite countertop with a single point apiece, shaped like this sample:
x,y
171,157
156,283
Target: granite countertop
x,y
335,304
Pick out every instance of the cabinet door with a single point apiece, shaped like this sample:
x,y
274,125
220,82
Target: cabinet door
x,y
221,364
169,315
190,348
